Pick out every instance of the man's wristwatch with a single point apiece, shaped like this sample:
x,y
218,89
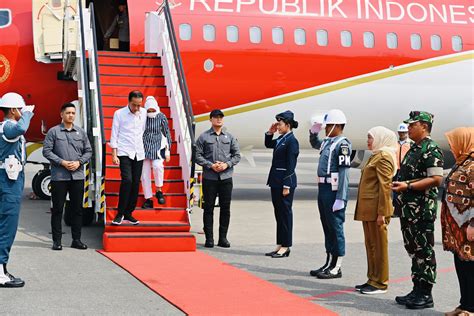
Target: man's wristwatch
x,y
409,186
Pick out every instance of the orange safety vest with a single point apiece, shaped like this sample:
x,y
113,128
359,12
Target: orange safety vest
x,y
402,151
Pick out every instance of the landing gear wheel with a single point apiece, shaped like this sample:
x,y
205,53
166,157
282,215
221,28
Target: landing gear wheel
x,y
87,215
41,184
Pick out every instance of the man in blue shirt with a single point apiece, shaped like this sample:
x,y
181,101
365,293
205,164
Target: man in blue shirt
x,y
12,176
333,189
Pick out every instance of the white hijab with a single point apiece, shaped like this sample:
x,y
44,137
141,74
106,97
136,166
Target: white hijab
x,y
384,140
151,103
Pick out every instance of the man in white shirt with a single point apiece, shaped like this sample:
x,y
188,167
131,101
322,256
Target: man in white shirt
x,y
128,152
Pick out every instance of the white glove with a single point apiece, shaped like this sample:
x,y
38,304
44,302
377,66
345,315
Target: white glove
x,y
316,128
338,205
28,108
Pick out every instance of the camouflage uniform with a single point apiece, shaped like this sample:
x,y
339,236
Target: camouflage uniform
x,y
419,208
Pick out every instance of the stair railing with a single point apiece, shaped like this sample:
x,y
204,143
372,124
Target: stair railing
x,y
166,45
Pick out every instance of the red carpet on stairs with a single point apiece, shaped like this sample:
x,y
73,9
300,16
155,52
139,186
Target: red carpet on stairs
x,y
199,284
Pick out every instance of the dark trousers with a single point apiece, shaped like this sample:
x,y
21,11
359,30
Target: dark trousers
x,y
130,172
10,203
59,190
124,46
211,189
419,244
282,206
333,222
465,272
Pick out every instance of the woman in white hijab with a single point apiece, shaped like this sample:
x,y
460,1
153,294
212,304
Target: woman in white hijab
x,y
374,206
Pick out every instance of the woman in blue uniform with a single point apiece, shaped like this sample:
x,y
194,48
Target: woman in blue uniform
x,y
282,179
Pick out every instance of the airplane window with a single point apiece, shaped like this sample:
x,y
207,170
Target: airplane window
x,y
277,35
322,37
209,32
185,32
369,40
5,18
255,34
232,33
457,43
300,36
392,40
435,42
415,40
346,39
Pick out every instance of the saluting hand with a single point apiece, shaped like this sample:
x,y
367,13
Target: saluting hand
x,y
273,128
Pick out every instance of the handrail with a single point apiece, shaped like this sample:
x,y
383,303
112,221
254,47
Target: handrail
x,y
84,72
181,79
97,77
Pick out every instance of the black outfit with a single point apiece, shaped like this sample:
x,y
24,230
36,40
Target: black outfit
x,y
130,172
465,272
282,175
211,189
59,190
124,46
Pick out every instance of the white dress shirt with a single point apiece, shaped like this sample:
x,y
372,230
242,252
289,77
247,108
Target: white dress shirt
x,y
127,133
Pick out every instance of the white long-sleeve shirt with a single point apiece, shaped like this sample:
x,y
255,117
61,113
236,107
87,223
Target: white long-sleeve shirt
x,y
127,133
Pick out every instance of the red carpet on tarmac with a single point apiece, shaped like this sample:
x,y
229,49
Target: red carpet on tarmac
x,y
199,284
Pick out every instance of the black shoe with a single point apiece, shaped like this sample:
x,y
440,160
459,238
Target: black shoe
x,y
78,245
57,245
160,197
224,243
361,286
403,300
209,243
132,220
118,220
420,301
148,204
372,290
283,255
13,282
321,269
326,274
271,253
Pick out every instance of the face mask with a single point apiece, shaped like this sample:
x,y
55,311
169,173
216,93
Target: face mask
x,y
152,114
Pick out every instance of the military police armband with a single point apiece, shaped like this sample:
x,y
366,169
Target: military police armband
x,y
344,159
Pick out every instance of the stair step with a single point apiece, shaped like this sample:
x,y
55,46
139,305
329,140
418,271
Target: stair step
x,y
171,172
148,242
149,226
109,119
135,80
125,89
177,200
106,69
109,110
162,215
108,131
169,186
127,54
130,60
174,160
120,101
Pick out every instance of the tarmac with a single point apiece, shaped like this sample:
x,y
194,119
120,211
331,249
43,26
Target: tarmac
x,y
74,282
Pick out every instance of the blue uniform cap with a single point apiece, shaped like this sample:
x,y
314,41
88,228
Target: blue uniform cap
x,y
287,116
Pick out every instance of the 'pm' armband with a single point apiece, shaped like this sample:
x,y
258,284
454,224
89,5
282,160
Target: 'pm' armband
x,y
434,171
344,159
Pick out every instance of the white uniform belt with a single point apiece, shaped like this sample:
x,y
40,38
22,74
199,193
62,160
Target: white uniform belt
x,y
324,180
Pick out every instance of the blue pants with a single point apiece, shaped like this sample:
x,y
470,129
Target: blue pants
x,y
333,222
283,215
10,200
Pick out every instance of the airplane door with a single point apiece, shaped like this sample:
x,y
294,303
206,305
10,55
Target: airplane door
x,y
48,26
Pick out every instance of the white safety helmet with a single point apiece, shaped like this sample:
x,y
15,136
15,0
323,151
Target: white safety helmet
x,y
12,100
402,128
335,117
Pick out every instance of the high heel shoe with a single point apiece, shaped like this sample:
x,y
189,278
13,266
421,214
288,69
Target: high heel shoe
x,y
285,254
271,253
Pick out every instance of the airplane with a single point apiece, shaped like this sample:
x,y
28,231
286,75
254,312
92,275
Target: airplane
x,y
376,60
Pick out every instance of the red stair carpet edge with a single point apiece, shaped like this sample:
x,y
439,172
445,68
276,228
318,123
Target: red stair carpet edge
x,y
199,284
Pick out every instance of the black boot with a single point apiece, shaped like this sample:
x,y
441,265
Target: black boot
x,y
8,280
208,219
420,300
160,197
333,271
328,260
223,242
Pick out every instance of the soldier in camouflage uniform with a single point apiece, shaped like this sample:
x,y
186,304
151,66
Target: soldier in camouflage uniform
x,y
420,175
